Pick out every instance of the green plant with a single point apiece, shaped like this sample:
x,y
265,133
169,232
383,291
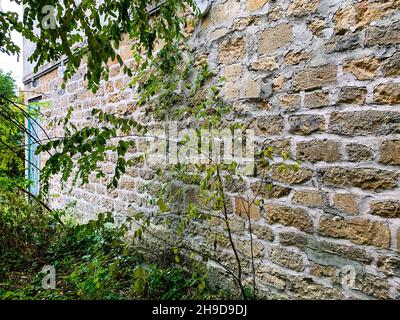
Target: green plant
x,y
11,134
92,260
105,26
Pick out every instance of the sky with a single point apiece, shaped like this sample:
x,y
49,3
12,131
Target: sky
x,y
10,63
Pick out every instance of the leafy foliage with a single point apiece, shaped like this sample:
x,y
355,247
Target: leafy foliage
x,y
12,125
93,31
92,260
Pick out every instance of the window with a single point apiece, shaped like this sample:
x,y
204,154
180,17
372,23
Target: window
x,y
33,136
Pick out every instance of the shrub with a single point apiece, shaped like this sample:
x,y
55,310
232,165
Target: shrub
x,y
92,260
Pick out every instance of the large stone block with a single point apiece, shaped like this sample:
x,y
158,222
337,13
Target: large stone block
x,y
383,36
253,5
385,208
359,152
245,209
364,178
305,124
390,152
274,39
310,198
306,288
360,231
232,51
314,78
303,7
319,150
270,125
316,99
346,202
363,69
387,93
288,216
289,175
352,95
391,66
371,122
287,258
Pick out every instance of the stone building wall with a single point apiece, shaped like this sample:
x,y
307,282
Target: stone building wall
x,y
319,80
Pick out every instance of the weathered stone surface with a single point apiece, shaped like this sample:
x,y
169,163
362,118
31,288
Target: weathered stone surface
x,y
235,185
345,19
218,33
306,124
233,72
278,83
363,69
280,60
224,12
270,125
391,66
361,14
245,248
390,152
269,191
296,57
310,198
323,271
245,209
344,43
264,64
385,208
273,39
231,90
364,178
319,150
303,7
253,5
352,95
316,99
287,258
316,26
232,51
263,232
359,152
279,146
251,89
389,265
271,276
387,93
293,239
306,288
325,257
240,24
330,253
382,36
290,175
372,285
346,202
290,102
288,216
314,78
359,231
364,123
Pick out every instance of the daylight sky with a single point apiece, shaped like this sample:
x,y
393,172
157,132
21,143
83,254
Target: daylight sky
x,y
10,63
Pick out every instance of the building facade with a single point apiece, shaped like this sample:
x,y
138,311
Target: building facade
x,y
318,80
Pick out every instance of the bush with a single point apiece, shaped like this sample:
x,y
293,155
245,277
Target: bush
x,y
92,260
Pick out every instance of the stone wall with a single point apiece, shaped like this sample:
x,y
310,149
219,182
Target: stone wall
x,y
319,80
